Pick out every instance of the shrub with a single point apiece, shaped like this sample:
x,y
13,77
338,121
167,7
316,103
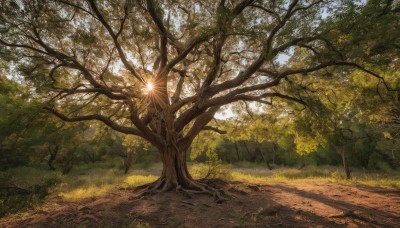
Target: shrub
x,y
24,187
210,170
383,166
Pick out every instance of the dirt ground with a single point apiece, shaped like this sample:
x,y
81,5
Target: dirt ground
x,y
252,205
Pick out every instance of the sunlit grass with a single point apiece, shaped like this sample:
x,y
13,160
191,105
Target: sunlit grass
x,y
385,182
95,180
92,187
316,174
86,192
239,176
138,180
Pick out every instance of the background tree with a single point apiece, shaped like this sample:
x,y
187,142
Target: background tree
x,y
132,145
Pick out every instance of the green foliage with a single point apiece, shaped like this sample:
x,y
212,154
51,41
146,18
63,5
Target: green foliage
x,y
16,115
24,187
205,144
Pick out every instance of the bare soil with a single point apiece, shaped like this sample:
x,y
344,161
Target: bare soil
x,y
252,205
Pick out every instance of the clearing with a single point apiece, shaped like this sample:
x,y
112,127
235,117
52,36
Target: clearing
x,y
308,203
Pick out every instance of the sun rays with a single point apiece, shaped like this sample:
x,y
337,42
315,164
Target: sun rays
x,y
149,87
154,92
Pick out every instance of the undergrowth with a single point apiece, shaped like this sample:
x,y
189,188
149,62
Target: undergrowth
x,y
25,187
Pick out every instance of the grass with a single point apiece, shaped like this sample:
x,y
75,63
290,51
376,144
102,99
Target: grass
x,y
317,174
94,180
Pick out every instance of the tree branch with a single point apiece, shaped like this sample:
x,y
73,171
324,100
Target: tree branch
x,y
163,34
211,128
101,118
114,37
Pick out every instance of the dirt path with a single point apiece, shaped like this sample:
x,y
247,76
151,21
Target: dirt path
x,y
272,205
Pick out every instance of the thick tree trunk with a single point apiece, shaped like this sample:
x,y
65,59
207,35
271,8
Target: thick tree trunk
x,y
175,173
345,165
175,177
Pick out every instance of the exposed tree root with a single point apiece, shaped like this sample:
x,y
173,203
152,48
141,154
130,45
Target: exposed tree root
x,y
192,188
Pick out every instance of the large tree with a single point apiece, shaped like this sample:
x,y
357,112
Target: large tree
x,y
160,70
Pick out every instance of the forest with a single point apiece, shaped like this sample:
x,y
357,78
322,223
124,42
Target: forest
x,y
186,113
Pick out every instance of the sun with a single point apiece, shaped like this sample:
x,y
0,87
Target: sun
x,y
149,87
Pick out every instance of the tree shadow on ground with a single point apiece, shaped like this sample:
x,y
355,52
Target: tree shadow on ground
x,y
378,190
369,215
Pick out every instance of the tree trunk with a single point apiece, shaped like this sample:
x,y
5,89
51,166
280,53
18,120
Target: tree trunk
x,y
253,156
53,153
175,172
257,150
237,151
175,176
268,165
128,159
302,163
345,166
274,148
